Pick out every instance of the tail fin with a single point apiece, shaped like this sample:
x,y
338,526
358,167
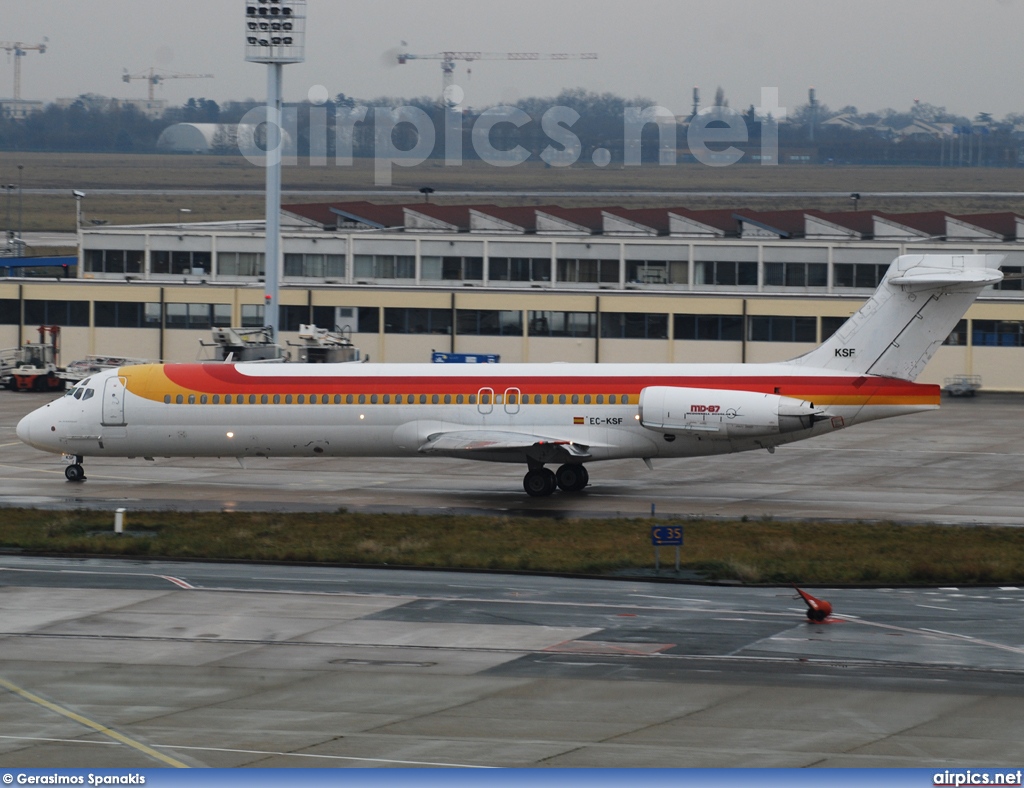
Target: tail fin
x,y
917,305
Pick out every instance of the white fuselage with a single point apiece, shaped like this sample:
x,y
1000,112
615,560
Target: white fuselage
x,y
299,410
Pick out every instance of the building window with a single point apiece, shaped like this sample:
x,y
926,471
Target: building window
x,y
57,313
783,329
239,264
10,312
725,272
197,317
829,325
796,274
591,271
489,322
633,325
315,266
1012,284
992,333
384,266
657,272
368,320
563,324
519,269
865,275
958,336
291,317
180,263
113,261
452,268
401,320
252,315
126,314
715,328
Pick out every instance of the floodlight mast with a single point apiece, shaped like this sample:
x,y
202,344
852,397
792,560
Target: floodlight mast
x,y
275,34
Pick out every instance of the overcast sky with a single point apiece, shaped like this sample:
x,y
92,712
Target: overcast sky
x,y
963,54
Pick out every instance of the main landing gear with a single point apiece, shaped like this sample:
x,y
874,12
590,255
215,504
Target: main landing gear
x,y
540,482
75,472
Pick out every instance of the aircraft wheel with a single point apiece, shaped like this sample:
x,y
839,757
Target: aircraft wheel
x,y
74,473
572,478
539,483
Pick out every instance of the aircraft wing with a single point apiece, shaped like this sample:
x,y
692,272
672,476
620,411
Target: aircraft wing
x,y
502,446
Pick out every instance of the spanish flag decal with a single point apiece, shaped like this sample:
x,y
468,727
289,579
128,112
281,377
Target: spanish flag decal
x,y
578,420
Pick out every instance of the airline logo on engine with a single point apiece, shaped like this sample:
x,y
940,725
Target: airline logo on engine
x,y
705,409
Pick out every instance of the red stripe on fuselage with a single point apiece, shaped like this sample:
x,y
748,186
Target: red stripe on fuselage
x,y
226,379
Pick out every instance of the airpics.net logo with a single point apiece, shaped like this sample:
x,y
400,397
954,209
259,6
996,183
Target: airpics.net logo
x,y
711,135
967,777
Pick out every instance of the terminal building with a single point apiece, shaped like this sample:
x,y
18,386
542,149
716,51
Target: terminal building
x,y
537,283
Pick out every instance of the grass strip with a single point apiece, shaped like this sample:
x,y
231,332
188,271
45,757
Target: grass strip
x,y
763,551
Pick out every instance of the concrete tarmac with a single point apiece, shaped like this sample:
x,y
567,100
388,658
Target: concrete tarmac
x,y
132,664
960,464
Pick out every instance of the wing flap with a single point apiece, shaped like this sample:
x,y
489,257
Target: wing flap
x,y
496,442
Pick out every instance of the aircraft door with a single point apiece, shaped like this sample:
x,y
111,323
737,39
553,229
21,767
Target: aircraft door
x,y
485,400
512,397
113,402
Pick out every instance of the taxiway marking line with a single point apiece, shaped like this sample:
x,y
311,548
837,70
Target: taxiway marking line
x,y
96,726
329,757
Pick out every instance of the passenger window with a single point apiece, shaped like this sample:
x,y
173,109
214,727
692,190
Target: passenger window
x,y
287,399
167,399
472,399
337,399
586,399
459,399
398,399
447,399
423,399
312,399
387,399
203,399
191,399
561,399
252,399
551,399
264,399
362,399
611,399
349,399
277,399
373,399
179,399
216,399
434,399
600,399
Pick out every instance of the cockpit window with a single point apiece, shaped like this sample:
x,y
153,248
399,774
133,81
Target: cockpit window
x,y
77,393
88,394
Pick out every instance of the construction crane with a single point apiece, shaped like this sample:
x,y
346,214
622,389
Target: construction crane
x,y
154,79
20,50
448,60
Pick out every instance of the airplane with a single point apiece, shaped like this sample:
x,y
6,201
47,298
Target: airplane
x,y
568,415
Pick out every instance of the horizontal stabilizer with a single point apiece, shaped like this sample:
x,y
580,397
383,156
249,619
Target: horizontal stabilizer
x,y
910,315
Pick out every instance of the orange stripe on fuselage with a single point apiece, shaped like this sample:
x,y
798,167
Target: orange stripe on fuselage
x,y
154,382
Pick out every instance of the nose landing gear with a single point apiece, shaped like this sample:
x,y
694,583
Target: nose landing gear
x,y
75,472
540,482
